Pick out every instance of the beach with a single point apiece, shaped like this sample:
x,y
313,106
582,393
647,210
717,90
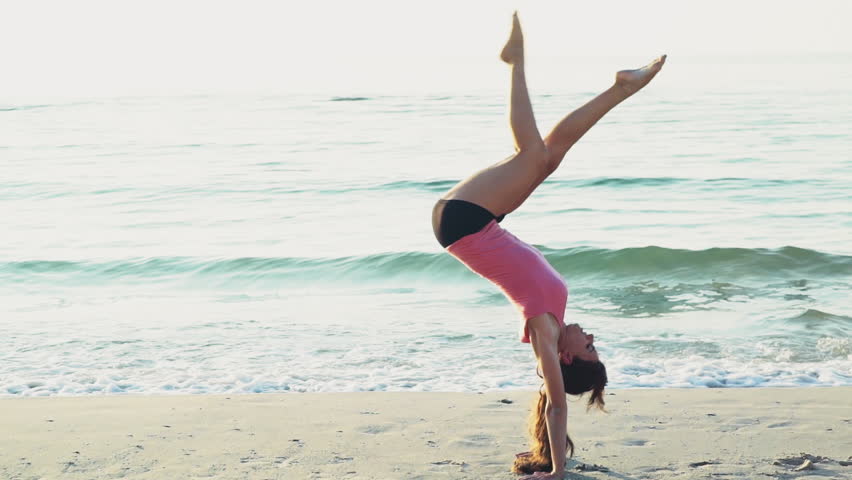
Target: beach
x,y
218,256
647,434
247,286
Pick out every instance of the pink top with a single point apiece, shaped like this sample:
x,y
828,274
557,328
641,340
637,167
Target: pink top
x,y
518,269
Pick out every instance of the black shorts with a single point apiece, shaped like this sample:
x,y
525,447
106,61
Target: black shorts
x,y
454,219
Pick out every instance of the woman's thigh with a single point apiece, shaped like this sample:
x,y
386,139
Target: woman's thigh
x,y
502,187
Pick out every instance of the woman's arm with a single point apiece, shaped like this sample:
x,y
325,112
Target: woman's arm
x,y
544,334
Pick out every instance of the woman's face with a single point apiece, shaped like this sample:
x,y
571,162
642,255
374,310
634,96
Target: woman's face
x,y
575,343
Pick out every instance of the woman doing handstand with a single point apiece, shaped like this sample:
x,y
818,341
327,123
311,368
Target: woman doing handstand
x,y
466,223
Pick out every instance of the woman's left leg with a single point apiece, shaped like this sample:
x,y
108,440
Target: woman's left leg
x,y
571,128
498,187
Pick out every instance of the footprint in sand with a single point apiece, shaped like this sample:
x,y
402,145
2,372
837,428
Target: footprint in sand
x,y
779,424
644,427
591,467
375,429
478,440
656,469
635,442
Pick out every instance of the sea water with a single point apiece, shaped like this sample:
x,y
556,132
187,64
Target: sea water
x,y
240,243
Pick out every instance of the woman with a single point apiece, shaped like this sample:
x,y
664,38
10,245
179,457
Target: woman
x,y
466,222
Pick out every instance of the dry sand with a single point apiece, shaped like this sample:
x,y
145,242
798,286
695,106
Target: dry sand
x,y
648,434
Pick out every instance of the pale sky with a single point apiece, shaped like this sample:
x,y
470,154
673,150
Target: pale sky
x,y
175,46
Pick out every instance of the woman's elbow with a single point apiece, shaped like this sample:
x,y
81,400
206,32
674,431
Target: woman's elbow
x,y
556,408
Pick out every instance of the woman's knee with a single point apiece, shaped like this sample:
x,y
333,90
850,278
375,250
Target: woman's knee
x,y
538,155
554,158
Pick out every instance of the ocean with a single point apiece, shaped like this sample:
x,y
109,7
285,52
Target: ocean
x,y
252,243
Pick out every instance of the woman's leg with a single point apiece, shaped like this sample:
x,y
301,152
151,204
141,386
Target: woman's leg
x,y
571,128
575,125
499,187
521,117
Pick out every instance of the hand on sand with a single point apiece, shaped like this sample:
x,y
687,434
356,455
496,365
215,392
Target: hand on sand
x,y
633,80
543,476
513,52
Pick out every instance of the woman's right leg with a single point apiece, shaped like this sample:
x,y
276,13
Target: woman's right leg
x,y
499,187
571,128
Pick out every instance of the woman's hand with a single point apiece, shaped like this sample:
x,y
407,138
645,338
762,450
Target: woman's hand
x,y
544,476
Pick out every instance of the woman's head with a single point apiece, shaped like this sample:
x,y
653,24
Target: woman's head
x,y
582,370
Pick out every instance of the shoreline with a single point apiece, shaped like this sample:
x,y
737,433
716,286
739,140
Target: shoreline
x,y
648,433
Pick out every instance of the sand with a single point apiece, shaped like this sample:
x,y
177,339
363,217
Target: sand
x,y
648,434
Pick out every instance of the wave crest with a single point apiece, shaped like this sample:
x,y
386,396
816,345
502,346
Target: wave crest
x,y
587,264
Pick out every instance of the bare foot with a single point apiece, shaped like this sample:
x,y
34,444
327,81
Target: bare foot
x,y
513,52
633,80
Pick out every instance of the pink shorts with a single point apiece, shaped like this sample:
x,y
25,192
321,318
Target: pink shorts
x,y
518,269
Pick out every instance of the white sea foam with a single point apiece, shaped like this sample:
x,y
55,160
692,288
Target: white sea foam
x,y
257,357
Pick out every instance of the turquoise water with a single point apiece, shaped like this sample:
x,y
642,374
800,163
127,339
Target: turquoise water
x,y
260,243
